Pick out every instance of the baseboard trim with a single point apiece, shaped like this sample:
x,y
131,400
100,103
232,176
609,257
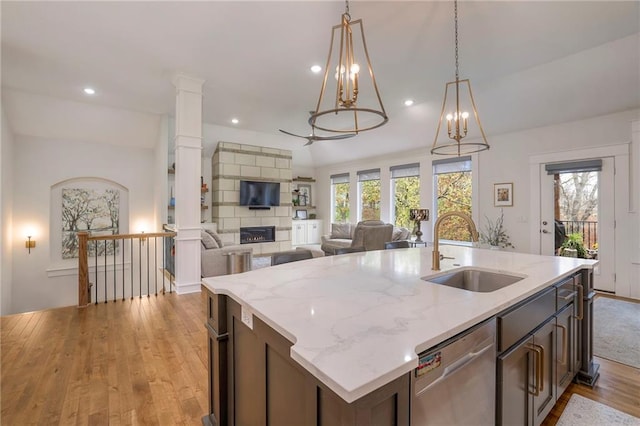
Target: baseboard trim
x,y
187,288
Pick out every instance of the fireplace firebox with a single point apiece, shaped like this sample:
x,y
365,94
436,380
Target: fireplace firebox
x,y
257,234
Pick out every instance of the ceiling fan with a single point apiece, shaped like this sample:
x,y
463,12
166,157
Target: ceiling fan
x,y
313,138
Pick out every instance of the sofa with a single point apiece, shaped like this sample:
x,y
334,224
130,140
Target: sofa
x,y
214,254
369,235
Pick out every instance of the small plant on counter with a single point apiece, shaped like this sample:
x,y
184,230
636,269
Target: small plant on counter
x,y
494,233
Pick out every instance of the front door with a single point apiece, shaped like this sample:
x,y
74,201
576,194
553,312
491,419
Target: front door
x,y
597,229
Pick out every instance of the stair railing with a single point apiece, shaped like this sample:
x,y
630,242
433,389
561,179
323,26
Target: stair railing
x,y
112,267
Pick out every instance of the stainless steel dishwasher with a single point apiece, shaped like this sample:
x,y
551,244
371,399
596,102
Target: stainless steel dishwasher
x,y
454,383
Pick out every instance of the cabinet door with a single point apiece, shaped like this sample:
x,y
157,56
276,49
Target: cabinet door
x,y
544,398
313,232
515,385
566,348
298,233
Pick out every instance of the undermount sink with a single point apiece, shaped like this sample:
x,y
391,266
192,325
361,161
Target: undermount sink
x,y
477,280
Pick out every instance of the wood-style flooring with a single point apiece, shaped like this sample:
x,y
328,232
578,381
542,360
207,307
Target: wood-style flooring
x,y
143,362
138,362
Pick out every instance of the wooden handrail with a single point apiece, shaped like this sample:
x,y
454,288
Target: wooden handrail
x,y
140,236
83,261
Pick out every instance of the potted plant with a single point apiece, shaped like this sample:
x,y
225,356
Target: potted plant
x,y
574,242
494,233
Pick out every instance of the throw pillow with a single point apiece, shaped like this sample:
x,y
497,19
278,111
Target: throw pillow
x,y
215,237
208,241
400,233
341,230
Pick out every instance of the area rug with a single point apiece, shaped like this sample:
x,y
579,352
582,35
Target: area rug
x,y
581,411
616,330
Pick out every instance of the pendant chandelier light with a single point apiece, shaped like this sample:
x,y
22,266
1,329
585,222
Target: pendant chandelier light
x,y
354,108
458,101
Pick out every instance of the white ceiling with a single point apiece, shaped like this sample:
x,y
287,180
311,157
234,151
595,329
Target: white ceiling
x,y
531,63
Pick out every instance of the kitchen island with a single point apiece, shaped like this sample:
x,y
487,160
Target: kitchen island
x,y
352,327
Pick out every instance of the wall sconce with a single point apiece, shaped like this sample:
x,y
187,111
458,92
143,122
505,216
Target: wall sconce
x,y
29,244
418,215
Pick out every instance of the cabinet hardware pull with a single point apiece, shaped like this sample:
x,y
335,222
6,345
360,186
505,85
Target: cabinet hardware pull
x,y
537,349
570,296
541,381
563,361
580,302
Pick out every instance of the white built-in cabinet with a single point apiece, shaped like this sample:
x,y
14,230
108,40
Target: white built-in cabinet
x,y
306,232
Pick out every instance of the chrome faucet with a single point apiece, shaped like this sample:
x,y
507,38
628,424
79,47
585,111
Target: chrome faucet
x,y
435,259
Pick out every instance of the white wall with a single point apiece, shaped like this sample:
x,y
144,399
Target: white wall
x,y
6,216
39,164
507,161
161,163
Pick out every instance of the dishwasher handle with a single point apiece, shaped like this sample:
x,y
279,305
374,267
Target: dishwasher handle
x,y
457,365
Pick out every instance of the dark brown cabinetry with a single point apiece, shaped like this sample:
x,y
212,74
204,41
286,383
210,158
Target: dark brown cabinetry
x,y
254,381
541,342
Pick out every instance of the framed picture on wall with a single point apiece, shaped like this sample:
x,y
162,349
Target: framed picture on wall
x,y
304,194
503,194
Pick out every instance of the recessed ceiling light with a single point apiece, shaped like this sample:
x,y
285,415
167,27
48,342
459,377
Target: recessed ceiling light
x,y
316,69
408,102
235,120
89,91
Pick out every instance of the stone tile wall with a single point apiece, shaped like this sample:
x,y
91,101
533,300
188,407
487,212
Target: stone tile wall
x,y
233,162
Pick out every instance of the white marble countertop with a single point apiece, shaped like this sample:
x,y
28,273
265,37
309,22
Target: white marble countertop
x,y
359,320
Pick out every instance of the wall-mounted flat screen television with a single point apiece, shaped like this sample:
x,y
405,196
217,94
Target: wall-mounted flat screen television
x,y
259,194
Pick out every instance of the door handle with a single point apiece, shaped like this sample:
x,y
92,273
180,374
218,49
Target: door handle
x,y
563,361
539,367
544,231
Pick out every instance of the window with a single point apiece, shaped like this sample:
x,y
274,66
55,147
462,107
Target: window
x,y
452,186
405,193
340,198
369,194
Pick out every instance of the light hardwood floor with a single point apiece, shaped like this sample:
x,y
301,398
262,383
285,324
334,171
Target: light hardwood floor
x,y
143,361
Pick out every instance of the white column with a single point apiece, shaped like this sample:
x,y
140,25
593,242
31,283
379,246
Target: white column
x,y
188,153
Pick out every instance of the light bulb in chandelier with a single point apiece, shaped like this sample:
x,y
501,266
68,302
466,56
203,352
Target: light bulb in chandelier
x,y
354,70
458,134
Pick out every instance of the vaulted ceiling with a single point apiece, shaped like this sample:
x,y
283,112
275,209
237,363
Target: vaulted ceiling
x,y
531,64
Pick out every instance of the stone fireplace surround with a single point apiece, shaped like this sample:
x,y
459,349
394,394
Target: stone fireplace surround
x,y
231,163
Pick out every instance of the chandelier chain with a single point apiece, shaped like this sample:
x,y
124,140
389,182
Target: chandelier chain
x,y
455,12
346,10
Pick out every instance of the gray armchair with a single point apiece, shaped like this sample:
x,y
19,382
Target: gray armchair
x,y
214,254
367,235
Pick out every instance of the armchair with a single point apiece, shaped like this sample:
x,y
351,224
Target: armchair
x,y
214,254
367,235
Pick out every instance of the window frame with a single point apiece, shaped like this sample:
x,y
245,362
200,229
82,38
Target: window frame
x,y
401,172
366,176
337,179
